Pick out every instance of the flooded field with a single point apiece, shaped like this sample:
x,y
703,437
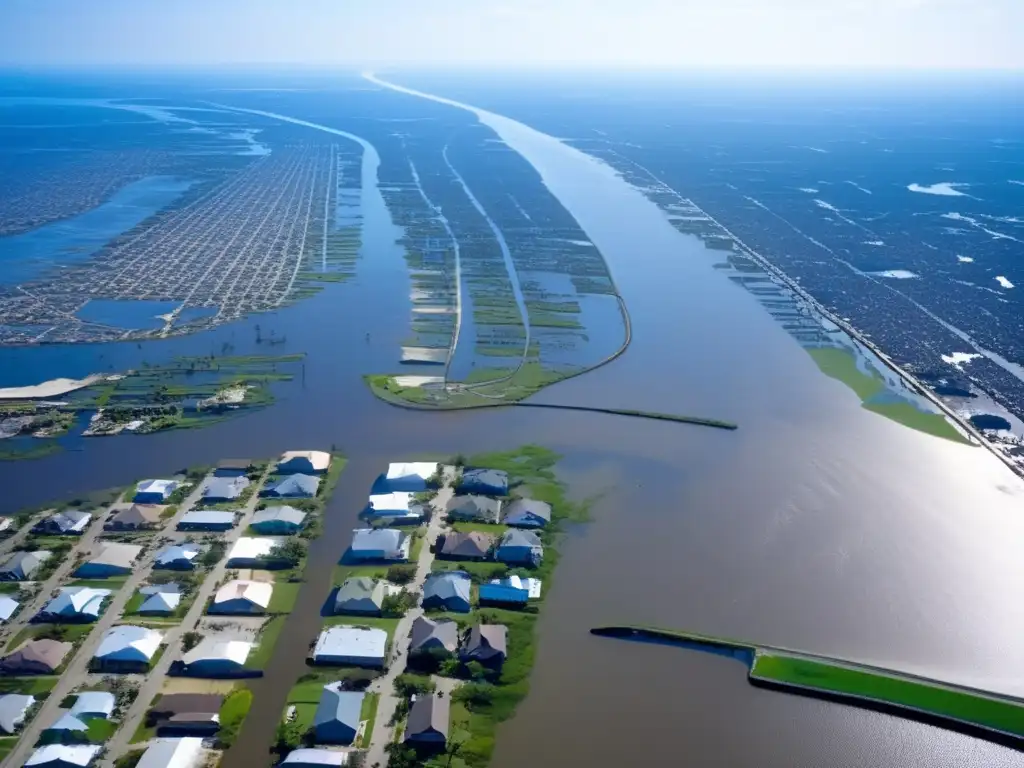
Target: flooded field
x,y
817,524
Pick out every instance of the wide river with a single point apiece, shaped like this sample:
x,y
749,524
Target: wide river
x,y
816,525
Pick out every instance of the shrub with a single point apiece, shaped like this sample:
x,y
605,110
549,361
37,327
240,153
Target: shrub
x,y
474,695
190,640
401,574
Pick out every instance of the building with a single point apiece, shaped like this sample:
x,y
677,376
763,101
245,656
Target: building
x,y
66,729
177,557
159,600
278,520
316,758
512,590
6,524
207,520
75,604
434,637
186,713
527,513
380,544
361,595
487,644
113,559
70,522
293,487
447,591
185,752
427,725
125,648
337,715
394,508
63,756
219,489
90,704
216,658
490,482
412,477
242,598
251,552
8,607
155,491
475,509
233,468
343,645
22,565
519,548
13,709
134,517
305,462
472,545
35,657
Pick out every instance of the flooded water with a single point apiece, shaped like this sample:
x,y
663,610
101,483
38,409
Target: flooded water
x,y
816,525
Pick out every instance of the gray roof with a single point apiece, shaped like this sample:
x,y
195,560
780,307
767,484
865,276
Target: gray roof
x,y
225,487
76,602
428,713
522,507
68,520
488,636
472,506
7,607
361,588
494,478
136,515
68,723
339,706
172,753
53,754
36,654
427,633
326,757
175,552
373,539
445,585
93,704
160,602
471,544
295,485
13,707
116,554
273,514
208,517
23,564
517,538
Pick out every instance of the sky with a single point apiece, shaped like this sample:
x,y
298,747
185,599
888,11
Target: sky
x,y
516,34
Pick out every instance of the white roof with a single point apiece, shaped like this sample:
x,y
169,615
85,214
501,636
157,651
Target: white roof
x,y
208,516
160,602
256,592
211,649
93,703
187,551
77,600
398,501
128,643
343,640
172,753
531,585
252,548
157,486
421,469
6,522
278,512
117,554
7,607
319,460
82,754
335,757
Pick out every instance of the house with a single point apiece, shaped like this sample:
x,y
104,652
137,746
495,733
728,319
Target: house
x,y
177,557
241,597
8,606
21,565
427,725
519,548
511,590
186,713
63,756
173,753
70,522
207,520
35,657
486,643
6,524
251,552
305,462
394,508
343,645
66,729
159,600
75,604
467,546
361,595
490,482
379,544
293,487
216,658
90,704
13,709
280,520
134,517
527,513
219,489
316,758
155,491
447,591
233,468
127,648
113,559
412,477
433,637
477,509
337,715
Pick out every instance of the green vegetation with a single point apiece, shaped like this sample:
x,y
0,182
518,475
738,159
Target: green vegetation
x,y
284,597
264,649
232,714
7,744
839,363
37,449
29,686
368,714
100,730
70,633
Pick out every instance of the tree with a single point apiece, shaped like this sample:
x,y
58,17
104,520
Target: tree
x,y
401,756
190,640
290,551
474,695
401,574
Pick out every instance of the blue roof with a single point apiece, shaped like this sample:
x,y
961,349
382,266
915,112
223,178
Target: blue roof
x,y
489,478
503,593
446,585
295,485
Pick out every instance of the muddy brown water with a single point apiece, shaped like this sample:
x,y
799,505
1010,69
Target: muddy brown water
x,y
816,525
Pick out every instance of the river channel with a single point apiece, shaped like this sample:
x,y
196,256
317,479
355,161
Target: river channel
x,y
816,525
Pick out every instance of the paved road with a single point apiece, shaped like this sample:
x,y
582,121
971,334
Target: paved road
x,y
154,681
385,686
8,544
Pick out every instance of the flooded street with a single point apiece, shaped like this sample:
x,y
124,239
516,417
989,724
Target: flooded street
x,y
816,525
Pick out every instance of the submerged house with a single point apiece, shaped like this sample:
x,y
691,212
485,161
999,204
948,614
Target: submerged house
x,y
447,591
304,462
296,486
361,595
477,509
490,482
155,491
337,715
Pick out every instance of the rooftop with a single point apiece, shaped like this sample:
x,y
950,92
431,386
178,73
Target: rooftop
x,y
60,754
345,640
255,592
129,643
212,649
252,548
172,753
